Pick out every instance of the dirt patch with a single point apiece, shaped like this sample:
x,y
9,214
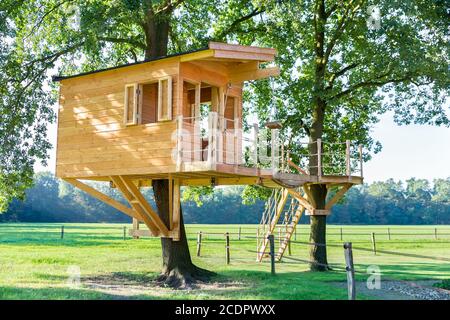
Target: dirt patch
x,y
128,286
402,290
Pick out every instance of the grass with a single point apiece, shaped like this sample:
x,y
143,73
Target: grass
x,y
34,261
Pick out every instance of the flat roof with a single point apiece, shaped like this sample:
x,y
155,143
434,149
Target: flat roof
x,y
59,78
221,51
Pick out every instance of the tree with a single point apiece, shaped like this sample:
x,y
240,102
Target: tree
x,y
74,36
343,64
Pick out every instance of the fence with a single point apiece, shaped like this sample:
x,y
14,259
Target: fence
x,y
232,244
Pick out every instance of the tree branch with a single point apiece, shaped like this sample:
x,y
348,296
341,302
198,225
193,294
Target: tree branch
x,y
371,83
134,43
339,73
238,21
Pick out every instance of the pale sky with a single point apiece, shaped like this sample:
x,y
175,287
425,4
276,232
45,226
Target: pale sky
x,y
408,151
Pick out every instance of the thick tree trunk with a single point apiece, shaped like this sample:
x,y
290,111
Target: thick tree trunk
x,y
318,252
178,269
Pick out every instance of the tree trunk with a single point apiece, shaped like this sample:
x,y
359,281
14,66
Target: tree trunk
x,y
178,269
318,253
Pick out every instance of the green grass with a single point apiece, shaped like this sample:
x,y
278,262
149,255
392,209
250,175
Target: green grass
x,y
34,261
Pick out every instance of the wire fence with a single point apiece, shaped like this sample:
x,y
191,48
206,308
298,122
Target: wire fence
x,y
234,243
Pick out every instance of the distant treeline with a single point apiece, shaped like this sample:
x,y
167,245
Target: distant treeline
x,y
415,201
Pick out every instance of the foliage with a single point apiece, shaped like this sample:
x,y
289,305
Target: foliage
x,y
444,284
415,201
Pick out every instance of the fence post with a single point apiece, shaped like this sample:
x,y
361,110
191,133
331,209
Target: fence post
x,y
124,233
62,232
239,234
341,235
389,233
289,247
351,288
272,253
227,246
435,234
199,243
374,245
295,233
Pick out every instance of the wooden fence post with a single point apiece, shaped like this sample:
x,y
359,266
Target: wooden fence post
x,y
227,246
62,232
272,253
289,247
124,233
435,234
199,243
389,233
341,235
374,245
295,233
351,287
239,234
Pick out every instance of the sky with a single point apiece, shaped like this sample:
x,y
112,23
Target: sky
x,y
419,151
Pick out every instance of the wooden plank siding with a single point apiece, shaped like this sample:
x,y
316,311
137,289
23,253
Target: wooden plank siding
x,y
92,137
93,140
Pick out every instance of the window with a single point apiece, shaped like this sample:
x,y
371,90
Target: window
x,y
165,99
148,102
131,104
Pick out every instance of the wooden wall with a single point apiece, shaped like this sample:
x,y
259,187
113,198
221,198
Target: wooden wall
x,y
92,138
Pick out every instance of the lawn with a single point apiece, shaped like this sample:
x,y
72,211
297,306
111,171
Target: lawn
x,y
34,262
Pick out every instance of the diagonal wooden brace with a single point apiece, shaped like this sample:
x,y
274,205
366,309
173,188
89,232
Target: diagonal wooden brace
x,y
118,181
103,197
150,213
338,196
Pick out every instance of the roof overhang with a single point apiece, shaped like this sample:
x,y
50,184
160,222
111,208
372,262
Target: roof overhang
x,y
215,51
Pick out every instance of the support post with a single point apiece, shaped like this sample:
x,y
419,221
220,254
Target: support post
x,y
360,160
135,227
179,160
239,234
350,271
272,253
374,245
319,158
255,143
212,139
341,234
124,233
237,149
62,232
199,243
227,247
289,247
435,234
295,233
389,233
347,158
275,150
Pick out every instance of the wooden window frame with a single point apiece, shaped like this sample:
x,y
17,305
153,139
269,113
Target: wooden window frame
x,y
169,98
135,120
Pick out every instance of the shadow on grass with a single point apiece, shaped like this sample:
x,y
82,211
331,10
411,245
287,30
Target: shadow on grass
x,y
50,293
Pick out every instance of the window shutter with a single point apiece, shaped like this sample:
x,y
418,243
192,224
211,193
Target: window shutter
x,y
165,99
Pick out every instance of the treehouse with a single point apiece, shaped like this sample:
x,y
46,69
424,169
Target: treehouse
x,y
179,117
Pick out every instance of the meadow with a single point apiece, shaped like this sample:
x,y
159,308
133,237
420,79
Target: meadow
x,y
36,263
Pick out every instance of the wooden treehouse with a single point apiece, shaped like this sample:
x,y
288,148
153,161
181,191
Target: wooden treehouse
x,y
179,117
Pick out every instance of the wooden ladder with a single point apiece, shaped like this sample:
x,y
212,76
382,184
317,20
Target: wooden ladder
x,y
273,223
290,228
